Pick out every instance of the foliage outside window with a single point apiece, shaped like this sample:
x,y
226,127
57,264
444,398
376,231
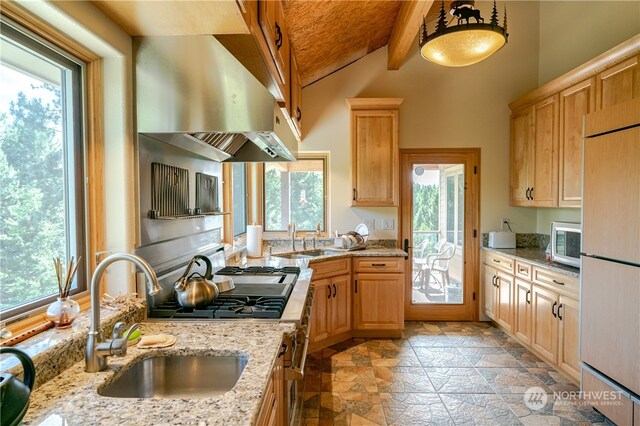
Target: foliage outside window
x,y
455,206
42,207
239,177
295,192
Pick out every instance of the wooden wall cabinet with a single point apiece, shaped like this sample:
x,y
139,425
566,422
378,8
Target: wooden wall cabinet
x,y
534,155
546,126
374,151
274,28
295,109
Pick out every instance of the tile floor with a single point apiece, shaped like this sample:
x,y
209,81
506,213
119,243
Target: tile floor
x,y
438,373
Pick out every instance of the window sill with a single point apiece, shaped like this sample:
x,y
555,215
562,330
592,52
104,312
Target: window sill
x,y
53,351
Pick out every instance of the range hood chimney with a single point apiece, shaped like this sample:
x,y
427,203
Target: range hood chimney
x,y
192,93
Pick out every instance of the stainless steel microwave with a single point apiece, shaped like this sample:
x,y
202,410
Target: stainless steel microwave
x,y
566,239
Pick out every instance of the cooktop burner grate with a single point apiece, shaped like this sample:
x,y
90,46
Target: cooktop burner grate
x,y
225,307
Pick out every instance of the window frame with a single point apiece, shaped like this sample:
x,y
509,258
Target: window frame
x,y
246,200
325,195
93,178
456,172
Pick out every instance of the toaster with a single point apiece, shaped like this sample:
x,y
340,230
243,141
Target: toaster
x,y
502,240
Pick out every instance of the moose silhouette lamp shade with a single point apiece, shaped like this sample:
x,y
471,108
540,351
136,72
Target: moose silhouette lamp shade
x,y
469,41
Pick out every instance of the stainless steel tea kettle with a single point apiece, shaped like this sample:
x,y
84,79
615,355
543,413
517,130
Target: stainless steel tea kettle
x,y
196,291
14,394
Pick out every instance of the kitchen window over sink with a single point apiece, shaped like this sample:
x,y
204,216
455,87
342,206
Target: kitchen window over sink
x,y
42,169
295,192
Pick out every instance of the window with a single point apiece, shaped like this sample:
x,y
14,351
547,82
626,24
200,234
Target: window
x,y
42,201
295,192
239,178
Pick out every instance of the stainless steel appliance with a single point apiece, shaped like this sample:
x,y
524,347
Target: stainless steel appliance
x,y
565,243
610,274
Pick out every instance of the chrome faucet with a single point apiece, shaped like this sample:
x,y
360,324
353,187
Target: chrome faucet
x,y
98,349
292,230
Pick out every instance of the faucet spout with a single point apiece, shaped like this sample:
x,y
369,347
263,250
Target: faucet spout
x,y
95,359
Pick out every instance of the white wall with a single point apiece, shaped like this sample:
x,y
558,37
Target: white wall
x,y
443,107
85,23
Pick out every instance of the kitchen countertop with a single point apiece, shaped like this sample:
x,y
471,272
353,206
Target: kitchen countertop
x,y
537,256
72,396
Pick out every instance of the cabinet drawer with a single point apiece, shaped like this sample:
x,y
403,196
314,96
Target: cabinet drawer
x,y
600,395
501,262
523,270
378,264
555,280
330,268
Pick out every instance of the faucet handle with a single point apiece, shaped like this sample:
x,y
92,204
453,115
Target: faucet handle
x,y
118,330
124,340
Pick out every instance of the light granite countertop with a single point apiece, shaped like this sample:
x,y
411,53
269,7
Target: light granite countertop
x,y
71,398
537,256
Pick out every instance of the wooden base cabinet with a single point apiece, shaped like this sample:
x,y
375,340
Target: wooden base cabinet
x,y
568,335
489,290
274,409
379,302
522,308
331,307
504,316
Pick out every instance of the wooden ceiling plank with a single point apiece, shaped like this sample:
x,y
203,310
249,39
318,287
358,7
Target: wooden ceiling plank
x,y
405,30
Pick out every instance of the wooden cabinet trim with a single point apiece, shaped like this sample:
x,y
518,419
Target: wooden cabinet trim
x,y
523,270
615,55
330,268
499,262
378,264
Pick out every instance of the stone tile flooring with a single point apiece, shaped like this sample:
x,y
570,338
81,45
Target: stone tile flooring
x,y
438,374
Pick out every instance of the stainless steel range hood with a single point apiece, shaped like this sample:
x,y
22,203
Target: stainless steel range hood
x,y
192,93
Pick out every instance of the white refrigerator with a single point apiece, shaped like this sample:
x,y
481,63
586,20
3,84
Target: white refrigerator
x,y
610,271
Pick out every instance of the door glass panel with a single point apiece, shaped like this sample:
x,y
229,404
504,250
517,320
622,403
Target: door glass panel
x,y
438,230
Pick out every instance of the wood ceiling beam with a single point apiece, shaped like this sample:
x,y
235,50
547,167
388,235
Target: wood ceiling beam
x,y
405,30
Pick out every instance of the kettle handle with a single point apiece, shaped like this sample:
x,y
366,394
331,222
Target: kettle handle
x,y
208,274
27,364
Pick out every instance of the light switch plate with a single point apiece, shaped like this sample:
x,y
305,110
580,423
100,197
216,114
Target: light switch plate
x,y
370,224
388,224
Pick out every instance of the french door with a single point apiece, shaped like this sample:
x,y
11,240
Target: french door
x,y
439,225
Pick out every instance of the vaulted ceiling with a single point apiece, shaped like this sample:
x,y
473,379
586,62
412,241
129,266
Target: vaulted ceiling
x,y
327,35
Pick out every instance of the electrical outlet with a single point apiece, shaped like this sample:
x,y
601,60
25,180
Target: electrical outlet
x,y
504,224
370,224
388,224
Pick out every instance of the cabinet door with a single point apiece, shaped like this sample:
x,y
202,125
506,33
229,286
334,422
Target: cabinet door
x,y
379,302
568,317
522,156
522,314
544,337
271,16
575,103
618,84
505,301
340,304
320,317
545,167
295,111
489,289
374,159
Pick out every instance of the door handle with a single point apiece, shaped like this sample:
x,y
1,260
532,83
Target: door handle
x,y
329,290
334,291
559,316
527,298
553,309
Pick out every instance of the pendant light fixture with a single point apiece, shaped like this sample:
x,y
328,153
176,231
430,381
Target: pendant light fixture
x,y
467,42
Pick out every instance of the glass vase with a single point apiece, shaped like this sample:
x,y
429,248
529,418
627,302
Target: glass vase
x,y
63,311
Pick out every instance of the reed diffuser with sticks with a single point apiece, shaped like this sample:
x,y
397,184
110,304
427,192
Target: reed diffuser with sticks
x,y
64,310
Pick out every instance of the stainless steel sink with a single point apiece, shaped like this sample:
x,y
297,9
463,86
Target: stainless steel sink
x,y
305,254
177,377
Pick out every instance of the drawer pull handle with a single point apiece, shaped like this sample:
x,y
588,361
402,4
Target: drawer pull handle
x,y
378,264
558,282
496,260
523,269
553,309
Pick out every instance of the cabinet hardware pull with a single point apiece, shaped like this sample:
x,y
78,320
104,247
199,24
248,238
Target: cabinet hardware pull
x,y
493,280
354,194
526,193
496,260
559,316
279,37
532,198
334,291
356,286
329,290
378,264
526,297
522,269
298,114
283,350
558,282
553,309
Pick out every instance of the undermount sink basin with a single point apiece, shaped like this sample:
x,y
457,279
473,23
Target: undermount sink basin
x,y
305,254
177,377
